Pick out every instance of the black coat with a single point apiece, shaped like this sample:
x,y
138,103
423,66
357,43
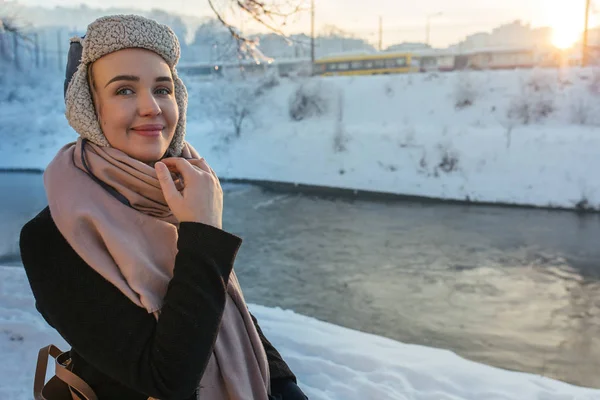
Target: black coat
x,y
118,348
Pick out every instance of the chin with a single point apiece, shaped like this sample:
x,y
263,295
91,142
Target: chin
x,y
148,156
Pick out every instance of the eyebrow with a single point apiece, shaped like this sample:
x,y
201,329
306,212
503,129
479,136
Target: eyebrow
x,y
133,78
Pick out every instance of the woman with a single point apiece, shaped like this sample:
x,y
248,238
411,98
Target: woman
x,y
129,262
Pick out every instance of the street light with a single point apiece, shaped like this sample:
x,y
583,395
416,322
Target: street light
x,y
585,49
428,29
312,32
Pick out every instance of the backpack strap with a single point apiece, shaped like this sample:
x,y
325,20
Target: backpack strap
x,y
62,361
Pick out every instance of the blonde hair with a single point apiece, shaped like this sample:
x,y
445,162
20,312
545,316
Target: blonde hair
x,y
93,94
90,76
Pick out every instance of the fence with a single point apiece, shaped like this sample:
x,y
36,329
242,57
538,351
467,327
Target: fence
x,y
27,51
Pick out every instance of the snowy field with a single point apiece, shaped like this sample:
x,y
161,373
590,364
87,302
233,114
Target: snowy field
x,y
526,137
331,362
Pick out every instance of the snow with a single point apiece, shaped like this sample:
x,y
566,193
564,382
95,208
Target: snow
x,y
331,362
525,137
398,129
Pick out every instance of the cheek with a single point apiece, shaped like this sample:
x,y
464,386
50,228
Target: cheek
x,y
171,113
117,115
115,118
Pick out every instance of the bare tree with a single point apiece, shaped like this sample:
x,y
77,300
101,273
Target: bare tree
x,y
9,24
272,14
9,32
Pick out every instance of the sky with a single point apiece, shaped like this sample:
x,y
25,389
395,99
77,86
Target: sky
x,y
402,20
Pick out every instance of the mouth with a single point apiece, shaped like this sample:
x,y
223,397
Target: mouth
x,y
151,130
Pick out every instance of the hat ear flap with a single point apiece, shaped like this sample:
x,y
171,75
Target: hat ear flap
x,y
80,110
181,97
73,61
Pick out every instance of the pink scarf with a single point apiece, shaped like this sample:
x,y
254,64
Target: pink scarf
x,y
134,248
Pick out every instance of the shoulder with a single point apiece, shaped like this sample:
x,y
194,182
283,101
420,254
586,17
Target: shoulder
x,y
37,229
41,241
38,224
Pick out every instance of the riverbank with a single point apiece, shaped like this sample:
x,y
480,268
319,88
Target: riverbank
x,y
527,138
351,194
326,359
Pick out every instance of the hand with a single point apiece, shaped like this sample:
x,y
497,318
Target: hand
x,y
286,389
200,199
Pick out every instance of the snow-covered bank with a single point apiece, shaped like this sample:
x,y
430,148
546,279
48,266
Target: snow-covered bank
x,y
527,137
515,137
332,363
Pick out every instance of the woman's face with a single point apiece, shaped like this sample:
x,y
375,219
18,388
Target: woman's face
x,y
134,97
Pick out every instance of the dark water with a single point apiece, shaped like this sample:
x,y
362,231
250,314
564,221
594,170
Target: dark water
x,y
514,288
21,197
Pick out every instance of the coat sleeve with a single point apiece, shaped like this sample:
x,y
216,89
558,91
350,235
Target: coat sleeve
x,y
164,359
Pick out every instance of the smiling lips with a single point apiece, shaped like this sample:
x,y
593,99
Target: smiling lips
x,y
152,130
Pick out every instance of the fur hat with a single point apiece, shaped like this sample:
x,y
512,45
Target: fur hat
x,y
107,35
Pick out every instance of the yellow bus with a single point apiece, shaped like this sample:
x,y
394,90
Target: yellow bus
x,y
367,64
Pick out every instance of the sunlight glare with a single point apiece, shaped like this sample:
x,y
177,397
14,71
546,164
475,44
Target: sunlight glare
x,y
566,18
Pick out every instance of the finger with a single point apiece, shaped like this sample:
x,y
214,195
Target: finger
x,y
200,163
215,175
166,182
181,165
176,178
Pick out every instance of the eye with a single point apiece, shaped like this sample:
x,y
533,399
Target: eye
x,y
124,91
163,91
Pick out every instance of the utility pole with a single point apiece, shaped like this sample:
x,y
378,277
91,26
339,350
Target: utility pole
x,y
380,33
37,49
428,27
16,48
312,32
59,49
584,49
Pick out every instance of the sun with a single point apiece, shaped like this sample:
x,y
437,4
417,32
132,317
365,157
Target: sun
x,y
566,19
565,37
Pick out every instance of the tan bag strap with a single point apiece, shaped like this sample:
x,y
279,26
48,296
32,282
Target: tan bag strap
x,y
61,372
40,372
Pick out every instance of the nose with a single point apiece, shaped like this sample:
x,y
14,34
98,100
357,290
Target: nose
x,y
147,105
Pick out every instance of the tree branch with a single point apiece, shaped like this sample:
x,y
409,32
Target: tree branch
x,y
271,16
